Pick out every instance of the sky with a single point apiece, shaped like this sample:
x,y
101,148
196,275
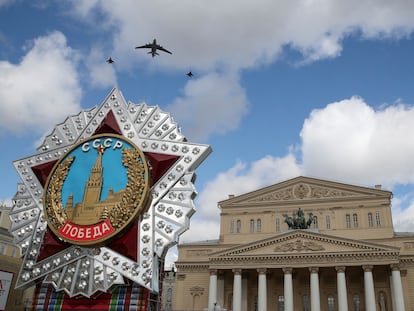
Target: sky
x,y
281,88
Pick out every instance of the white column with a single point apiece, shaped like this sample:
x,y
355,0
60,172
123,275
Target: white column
x,y
237,290
212,290
397,289
288,289
262,291
314,289
392,294
370,304
342,292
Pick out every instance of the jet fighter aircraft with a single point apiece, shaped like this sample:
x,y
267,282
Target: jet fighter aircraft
x,y
110,60
154,47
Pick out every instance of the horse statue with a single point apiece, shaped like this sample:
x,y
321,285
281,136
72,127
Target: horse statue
x,y
298,221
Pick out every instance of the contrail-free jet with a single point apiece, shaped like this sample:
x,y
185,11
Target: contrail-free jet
x,y
154,47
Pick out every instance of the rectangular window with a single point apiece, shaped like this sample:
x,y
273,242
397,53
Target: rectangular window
x,y
348,220
232,226
238,225
259,225
378,218
251,225
315,222
355,218
277,227
370,221
13,252
281,303
328,222
2,249
331,303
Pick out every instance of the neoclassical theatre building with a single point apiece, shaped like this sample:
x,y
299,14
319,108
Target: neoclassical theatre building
x,y
339,252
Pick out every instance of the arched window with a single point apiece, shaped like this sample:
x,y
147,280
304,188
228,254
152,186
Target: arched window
x,y
370,221
355,218
238,229
331,302
348,220
356,303
259,225
251,225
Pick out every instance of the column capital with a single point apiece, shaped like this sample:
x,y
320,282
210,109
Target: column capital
x,y
367,268
261,270
213,271
237,271
287,270
340,269
395,267
313,269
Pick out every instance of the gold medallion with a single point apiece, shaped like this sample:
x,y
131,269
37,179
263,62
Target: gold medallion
x,y
96,190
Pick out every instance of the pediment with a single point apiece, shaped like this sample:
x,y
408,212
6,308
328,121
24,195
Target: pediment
x,y
301,242
305,188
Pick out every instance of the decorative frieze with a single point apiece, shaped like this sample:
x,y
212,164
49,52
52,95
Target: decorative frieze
x,y
303,191
299,246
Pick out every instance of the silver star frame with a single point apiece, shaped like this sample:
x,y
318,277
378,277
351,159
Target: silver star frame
x,y
83,270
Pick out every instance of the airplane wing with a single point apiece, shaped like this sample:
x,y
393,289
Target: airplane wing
x,y
163,49
145,46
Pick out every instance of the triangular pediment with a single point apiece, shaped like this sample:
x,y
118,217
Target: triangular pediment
x,y
303,242
302,189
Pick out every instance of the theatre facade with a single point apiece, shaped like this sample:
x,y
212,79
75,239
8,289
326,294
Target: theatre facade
x,y
302,244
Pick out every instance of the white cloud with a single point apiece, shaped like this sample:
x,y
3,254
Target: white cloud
x,y
216,39
212,104
201,230
42,89
350,141
241,34
241,178
100,76
347,141
4,3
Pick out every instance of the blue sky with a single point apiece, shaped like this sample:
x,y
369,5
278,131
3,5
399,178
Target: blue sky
x,y
280,88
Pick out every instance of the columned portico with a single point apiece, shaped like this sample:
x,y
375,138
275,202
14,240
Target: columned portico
x,y
370,304
243,288
314,288
342,291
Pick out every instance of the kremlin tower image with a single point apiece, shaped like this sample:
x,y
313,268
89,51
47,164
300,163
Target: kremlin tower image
x,y
91,210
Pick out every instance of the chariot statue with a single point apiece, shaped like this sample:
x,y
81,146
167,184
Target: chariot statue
x,y
298,220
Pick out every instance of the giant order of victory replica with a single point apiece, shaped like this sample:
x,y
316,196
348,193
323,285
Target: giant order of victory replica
x,y
106,195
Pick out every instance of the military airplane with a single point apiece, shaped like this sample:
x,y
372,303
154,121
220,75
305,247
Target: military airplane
x,y
110,60
190,74
154,47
